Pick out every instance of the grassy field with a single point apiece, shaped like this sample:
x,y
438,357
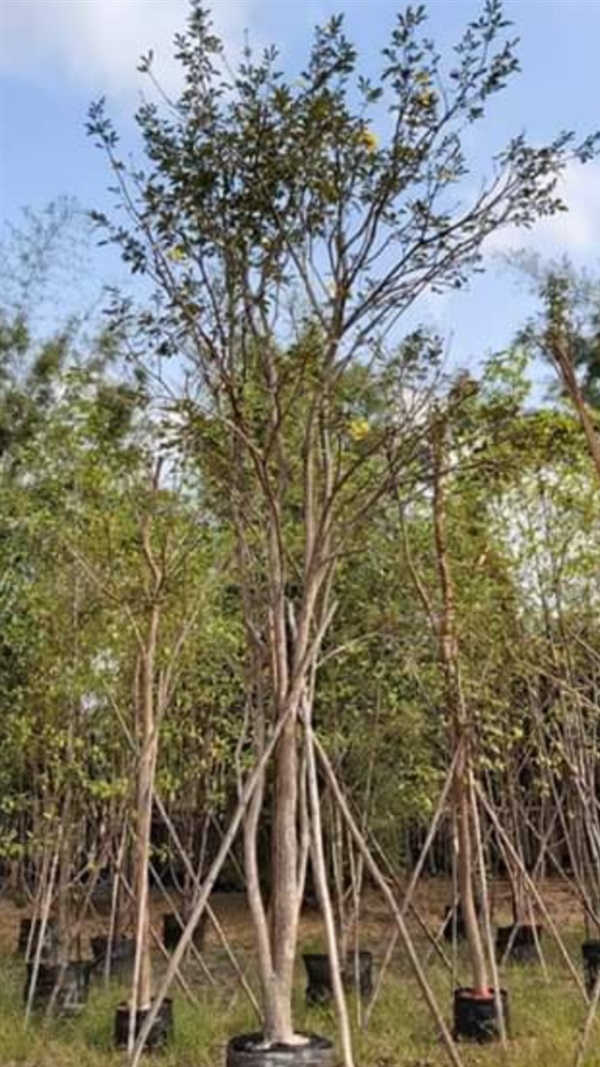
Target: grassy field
x,y
545,1018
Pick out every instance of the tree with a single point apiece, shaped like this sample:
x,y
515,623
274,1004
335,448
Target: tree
x,y
568,349
567,335
285,242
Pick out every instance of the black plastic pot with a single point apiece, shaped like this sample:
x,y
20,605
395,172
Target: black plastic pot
x,y
49,943
523,949
245,1051
161,1031
320,989
310,902
172,931
102,898
476,1018
318,970
454,924
122,955
73,986
590,950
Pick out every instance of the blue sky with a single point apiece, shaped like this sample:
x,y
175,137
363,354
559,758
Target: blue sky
x,y
57,55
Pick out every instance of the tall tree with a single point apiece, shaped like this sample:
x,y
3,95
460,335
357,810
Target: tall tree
x,y
285,241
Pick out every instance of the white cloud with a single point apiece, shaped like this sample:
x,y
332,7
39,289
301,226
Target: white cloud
x,y
97,43
575,232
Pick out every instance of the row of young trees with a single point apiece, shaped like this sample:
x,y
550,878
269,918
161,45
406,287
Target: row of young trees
x,y
252,524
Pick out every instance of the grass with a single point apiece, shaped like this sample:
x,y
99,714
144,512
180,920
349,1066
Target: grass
x,y
545,1020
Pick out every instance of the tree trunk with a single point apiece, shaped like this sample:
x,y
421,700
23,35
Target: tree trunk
x,y
141,888
64,878
284,894
463,800
147,750
461,727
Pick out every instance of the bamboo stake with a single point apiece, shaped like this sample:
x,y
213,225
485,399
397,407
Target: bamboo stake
x,y
488,924
320,874
209,911
589,1022
408,895
114,901
161,948
171,903
510,848
43,924
379,879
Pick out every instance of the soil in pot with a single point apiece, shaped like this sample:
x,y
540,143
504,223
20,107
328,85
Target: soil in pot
x,y
122,956
73,982
476,1017
590,950
245,1051
172,931
523,949
49,943
161,1032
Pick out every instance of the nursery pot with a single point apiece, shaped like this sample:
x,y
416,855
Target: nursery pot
x,y
172,931
365,973
74,985
122,955
523,948
318,969
245,1051
310,902
49,942
475,1016
161,1031
590,950
102,892
454,924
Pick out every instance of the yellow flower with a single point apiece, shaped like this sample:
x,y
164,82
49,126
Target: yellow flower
x,y
369,139
359,429
177,254
425,99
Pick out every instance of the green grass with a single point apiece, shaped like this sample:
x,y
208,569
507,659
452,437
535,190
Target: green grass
x,y
545,1021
